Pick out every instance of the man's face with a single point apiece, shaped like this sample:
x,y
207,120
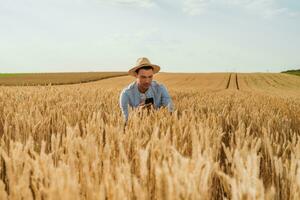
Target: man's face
x,y
144,78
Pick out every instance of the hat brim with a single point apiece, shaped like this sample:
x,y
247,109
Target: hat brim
x,y
132,72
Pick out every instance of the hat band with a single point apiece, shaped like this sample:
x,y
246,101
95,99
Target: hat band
x,y
143,67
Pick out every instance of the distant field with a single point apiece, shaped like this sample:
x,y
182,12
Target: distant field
x,y
293,72
11,75
28,79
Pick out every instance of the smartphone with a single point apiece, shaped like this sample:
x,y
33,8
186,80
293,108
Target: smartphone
x,y
149,101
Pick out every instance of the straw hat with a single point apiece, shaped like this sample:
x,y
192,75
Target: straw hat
x,y
142,62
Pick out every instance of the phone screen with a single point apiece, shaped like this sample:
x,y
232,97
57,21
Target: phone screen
x,y
149,101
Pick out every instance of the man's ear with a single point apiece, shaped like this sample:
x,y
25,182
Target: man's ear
x,y
136,75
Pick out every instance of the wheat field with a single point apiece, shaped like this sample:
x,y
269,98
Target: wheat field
x,y
231,136
34,79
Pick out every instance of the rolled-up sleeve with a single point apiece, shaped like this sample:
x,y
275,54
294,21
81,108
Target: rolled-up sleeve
x,y
166,99
124,101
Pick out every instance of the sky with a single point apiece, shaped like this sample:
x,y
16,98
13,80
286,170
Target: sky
x,y
178,35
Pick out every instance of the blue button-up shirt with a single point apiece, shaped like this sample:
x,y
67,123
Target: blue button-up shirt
x,y
133,97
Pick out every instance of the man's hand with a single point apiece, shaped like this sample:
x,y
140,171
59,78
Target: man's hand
x,y
142,105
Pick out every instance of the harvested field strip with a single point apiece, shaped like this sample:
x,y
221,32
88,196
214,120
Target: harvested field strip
x,y
56,78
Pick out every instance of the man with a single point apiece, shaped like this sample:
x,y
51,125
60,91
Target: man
x,y
144,92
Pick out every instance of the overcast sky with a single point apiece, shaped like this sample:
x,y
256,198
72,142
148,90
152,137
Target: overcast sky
x,y
178,35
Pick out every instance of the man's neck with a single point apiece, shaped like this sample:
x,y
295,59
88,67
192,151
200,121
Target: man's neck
x,y
141,89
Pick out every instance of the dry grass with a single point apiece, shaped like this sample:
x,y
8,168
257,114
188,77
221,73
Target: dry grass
x,y
68,142
54,78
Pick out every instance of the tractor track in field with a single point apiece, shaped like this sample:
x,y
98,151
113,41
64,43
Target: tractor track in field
x,y
237,82
228,82
233,82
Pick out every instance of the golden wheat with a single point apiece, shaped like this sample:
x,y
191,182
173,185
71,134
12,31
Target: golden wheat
x,y
68,142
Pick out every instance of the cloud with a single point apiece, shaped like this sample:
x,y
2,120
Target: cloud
x,y
264,8
131,3
195,7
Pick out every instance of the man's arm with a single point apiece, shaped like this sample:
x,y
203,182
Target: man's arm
x,y
166,99
124,101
